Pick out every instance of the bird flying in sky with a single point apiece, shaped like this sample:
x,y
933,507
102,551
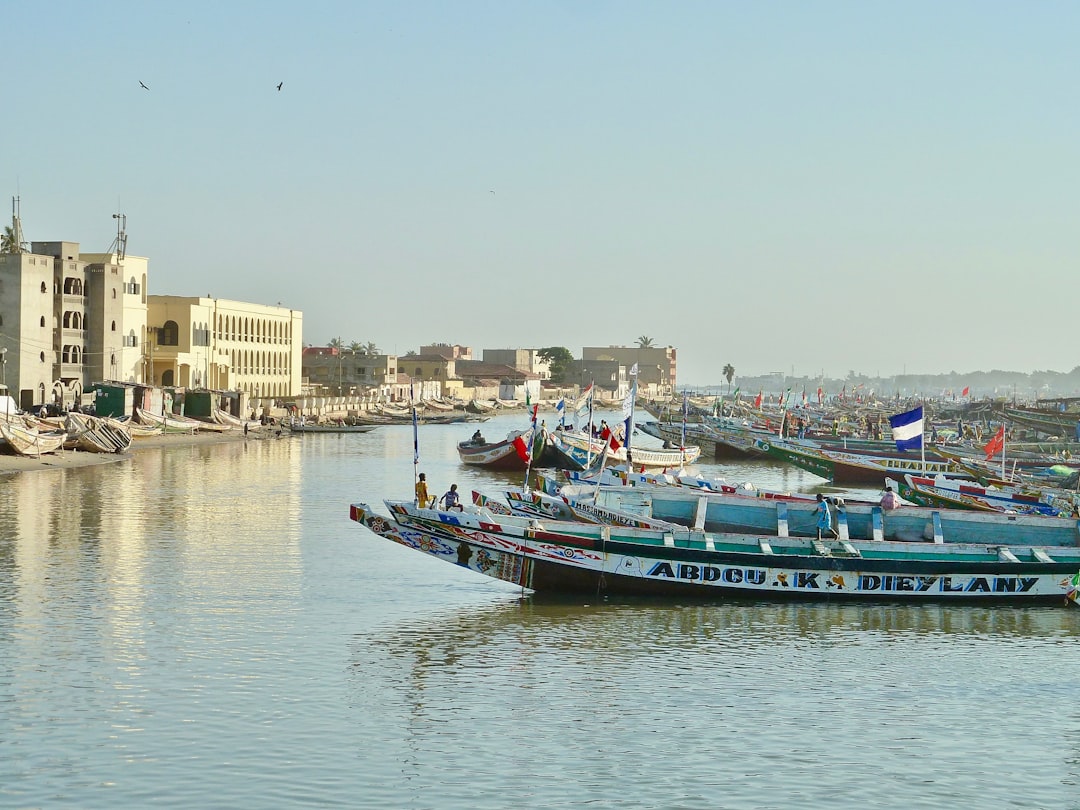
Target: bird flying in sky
x,y
279,86
143,86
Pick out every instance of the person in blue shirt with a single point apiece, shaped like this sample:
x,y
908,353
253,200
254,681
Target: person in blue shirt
x,y
451,500
824,518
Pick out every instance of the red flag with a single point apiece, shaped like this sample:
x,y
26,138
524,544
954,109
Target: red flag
x,y
996,444
757,400
820,395
966,391
522,448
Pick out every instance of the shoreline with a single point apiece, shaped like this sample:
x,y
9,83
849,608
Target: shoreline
x,y
13,463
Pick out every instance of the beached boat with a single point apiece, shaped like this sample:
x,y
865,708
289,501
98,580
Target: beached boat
x,y
26,442
849,466
570,557
964,494
168,422
94,435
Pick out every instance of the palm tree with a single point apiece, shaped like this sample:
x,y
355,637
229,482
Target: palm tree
x,y
371,348
645,342
729,373
8,244
339,344
356,348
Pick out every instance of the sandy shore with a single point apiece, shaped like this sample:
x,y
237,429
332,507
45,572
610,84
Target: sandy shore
x,y
11,463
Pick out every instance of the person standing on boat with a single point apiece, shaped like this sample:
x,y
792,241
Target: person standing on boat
x,y
423,500
824,517
451,500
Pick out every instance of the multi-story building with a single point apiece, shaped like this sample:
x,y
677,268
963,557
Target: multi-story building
x,y
522,359
62,317
342,372
656,365
198,342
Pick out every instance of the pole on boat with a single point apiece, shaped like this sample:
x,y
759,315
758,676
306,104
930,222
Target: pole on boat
x,y
532,451
628,412
415,442
1002,448
922,447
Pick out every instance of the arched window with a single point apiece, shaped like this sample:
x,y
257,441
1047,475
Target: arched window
x,y
114,293
170,334
43,357
167,377
114,326
44,289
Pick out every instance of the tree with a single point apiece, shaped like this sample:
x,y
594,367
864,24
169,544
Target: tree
x,y
729,373
372,349
356,347
8,244
645,342
559,361
335,343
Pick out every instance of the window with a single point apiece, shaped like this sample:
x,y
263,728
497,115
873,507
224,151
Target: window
x,y
114,293
44,289
114,326
42,321
169,334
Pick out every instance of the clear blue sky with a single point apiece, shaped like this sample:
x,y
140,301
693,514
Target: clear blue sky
x,y
807,186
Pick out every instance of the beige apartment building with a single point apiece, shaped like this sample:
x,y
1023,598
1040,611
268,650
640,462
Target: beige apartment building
x,y
62,316
657,366
205,342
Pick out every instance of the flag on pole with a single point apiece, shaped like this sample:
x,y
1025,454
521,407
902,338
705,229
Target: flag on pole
x,y
966,391
521,447
996,443
584,400
907,429
820,395
560,409
757,400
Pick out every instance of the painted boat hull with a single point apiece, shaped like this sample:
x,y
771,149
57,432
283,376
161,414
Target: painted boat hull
x,y
578,558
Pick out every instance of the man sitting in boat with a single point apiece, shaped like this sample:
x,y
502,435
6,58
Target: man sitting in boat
x,y
451,500
477,438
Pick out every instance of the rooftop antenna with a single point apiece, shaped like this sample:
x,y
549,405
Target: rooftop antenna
x,y
17,244
121,237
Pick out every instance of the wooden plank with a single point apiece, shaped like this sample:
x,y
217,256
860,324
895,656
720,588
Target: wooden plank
x,y
699,514
938,538
877,525
781,519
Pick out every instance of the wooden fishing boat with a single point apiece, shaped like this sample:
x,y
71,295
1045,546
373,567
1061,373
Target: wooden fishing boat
x,y
849,466
578,451
168,422
571,557
94,435
297,427
965,494
496,455
26,442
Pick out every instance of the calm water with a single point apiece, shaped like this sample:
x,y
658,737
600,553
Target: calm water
x,y
204,627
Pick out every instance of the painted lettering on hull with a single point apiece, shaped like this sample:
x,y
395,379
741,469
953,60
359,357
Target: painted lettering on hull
x,y
811,580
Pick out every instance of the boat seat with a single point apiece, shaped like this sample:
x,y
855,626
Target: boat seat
x,y
781,519
821,549
849,549
938,537
1005,555
669,539
765,547
877,524
1041,556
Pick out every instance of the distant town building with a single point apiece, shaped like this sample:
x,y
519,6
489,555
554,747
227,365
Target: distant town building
x,y
341,372
656,366
521,359
454,352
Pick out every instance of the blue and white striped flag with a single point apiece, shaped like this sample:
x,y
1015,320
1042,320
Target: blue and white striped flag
x,y
907,429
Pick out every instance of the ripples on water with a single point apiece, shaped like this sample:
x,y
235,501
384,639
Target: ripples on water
x,y
203,627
